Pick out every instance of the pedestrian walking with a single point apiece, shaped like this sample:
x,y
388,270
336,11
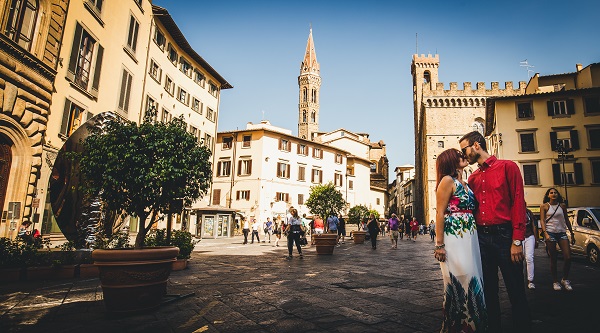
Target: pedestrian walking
x,y
255,227
553,217
432,230
277,232
457,247
294,230
268,228
245,229
500,217
414,228
341,230
529,245
407,231
394,225
373,227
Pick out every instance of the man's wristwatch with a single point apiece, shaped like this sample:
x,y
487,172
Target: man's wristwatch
x,y
517,242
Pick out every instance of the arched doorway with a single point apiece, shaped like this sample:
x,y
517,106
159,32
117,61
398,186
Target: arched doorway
x,y
5,161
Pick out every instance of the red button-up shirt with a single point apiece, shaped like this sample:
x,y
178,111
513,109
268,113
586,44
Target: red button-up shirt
x,y
498,188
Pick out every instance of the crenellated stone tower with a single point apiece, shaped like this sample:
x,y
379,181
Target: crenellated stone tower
x,y
309,83
441,118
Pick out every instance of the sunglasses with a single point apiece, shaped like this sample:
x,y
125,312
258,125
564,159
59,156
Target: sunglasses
x,y
464,150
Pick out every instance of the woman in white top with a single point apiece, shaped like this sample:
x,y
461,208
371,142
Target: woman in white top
x,y
554,220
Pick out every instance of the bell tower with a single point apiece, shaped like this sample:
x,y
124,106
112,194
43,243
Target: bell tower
x,y
309,83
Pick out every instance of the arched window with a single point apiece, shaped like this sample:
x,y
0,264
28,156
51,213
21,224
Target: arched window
x,y
304,94
426,77
21,22
314,95
313,116
304,116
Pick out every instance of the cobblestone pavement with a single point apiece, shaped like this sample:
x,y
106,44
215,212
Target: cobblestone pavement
x,y
251,288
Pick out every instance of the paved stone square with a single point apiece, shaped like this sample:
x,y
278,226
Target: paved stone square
x,y
252,288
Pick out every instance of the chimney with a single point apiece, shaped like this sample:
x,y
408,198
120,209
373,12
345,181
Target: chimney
x,y
579,67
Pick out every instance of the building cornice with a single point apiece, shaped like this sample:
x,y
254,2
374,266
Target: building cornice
x,y
21,55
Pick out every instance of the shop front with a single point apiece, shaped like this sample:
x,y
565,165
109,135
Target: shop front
x,y
215,222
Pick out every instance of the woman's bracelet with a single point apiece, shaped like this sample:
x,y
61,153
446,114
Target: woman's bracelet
x,y
439,247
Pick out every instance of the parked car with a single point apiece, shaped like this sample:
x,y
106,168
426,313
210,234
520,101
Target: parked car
x,y
586,230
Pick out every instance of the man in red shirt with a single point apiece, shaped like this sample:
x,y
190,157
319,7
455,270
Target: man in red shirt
x,y
500,218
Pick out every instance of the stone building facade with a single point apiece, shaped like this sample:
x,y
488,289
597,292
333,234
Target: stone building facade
x,y
441,118
30,43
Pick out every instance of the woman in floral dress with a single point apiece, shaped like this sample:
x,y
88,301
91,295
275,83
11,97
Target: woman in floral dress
x,y
457,247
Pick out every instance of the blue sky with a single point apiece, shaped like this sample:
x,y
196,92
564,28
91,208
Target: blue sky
x,y
365,50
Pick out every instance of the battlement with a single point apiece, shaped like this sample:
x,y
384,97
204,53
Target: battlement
x,y
423,57
480,90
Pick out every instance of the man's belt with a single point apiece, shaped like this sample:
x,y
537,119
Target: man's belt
x,y
492,229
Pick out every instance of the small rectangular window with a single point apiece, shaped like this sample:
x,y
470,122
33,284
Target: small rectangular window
x,y
208,141
301,199
151,104
317,176
301,173
73,117
216,198
196,105
317,153
169,85
227,142
213,89
350,184
125,91
223,168
132,34
155,70
594,137
338,158
159,39
280,196
302,150
166,116
243,195
210,114
283,170
592,104
285,145
244,167
338,179
199,78
530,176
524,110
183,96
527,142
595,171
246,140
185,67
173,57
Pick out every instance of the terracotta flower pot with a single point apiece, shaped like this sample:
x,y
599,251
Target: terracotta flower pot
x,y
134,280
180,264
359,236
325,243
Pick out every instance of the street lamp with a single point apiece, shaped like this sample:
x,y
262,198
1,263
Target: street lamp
x,y
562,154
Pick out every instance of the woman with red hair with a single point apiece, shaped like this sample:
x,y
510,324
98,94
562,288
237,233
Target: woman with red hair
x,y
457,247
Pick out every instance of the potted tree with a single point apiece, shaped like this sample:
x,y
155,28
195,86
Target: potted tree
x,y
355,215
140,170
323,200
180,239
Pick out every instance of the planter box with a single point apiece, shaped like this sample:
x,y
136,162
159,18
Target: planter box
x,y
325,243
180,264
10,274
134,281
88,271
359,236
50,272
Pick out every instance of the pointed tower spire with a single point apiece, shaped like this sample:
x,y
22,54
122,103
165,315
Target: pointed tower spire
x,y
310,64
309,83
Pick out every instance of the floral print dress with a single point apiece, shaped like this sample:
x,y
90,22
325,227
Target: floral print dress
x,y
464,304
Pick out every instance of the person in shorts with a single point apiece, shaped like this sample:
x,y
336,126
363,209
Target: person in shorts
x,y
341,230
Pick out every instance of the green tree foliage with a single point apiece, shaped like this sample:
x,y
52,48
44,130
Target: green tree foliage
x,y
374,212
357,214
140,170
324,199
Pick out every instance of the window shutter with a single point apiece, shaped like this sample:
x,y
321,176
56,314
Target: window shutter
x,y
320,177
287,171
96,81
574,140
321,153
218,169
136,27
312,176
298,149
74,52
287,197
249,167
578,173
570,106
239,172
216,197
247,195
550,105
289,146
237,195
553,138
66,116
280,143
556,173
